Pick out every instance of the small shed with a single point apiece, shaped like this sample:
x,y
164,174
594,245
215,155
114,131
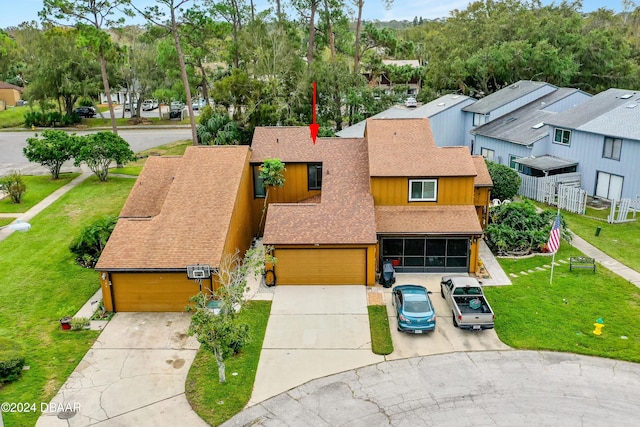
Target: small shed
x,y
9,95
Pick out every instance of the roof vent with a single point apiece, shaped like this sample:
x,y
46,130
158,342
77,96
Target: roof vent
x,y
514,86
441,104
632,105
508,120
455,96
627,96
538,125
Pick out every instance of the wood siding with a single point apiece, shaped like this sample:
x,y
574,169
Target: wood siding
x,y
150,291
394,191
325,266
241,229
482,200
295,189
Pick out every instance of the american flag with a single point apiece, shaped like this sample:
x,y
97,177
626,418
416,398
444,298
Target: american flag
x,y
554,237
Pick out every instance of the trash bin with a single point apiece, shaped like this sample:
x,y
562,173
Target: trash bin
x,y
598,229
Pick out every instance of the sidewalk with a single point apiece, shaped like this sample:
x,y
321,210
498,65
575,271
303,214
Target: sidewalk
x,y
606,261
45,203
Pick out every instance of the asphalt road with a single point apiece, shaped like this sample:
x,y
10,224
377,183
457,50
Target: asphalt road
x,y
12,143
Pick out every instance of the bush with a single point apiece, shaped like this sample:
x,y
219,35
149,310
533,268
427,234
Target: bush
x,y
14,185
11,360
518,229
79,323
89,245
506,181
50,119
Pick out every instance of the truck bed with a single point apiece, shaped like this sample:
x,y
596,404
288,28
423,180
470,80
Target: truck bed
x,y
463,305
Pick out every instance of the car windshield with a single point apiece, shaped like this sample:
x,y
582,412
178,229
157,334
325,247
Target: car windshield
x,y
416,303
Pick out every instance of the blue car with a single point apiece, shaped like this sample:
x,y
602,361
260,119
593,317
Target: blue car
x,y
414,310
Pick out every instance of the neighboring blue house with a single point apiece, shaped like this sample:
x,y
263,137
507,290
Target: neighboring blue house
x,y
524,132
445,116
602,136
541,130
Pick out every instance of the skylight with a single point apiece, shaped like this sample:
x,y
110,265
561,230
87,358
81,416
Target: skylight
x,y
626,96
538,125
632,105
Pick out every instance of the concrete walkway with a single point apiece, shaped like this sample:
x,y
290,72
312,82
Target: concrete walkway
x,y
606,261
44,203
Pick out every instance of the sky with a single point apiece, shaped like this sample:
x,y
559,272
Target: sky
x,y
14,12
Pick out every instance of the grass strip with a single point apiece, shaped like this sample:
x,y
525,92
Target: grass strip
x,y
380,333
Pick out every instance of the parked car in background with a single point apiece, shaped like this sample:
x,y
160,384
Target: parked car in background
x,y
411,102
198,104
149,104
84,111
414,310
175,109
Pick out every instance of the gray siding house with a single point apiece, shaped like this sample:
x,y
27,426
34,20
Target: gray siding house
x,y
445,116
602,135
524,132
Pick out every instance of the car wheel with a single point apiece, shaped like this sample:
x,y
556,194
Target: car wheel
x,y
455,322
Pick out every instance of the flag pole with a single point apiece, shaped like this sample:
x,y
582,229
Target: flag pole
x,y
553,258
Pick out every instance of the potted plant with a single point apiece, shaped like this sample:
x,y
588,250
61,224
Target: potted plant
x,y
65,322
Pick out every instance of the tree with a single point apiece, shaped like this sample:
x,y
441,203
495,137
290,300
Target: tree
x,y
506,181
99,150
88,246
221,333
14,186
91,18
52,150
272,175
158,17
219,129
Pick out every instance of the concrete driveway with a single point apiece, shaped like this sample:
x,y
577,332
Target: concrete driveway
x,y
446,338
313,331
134,375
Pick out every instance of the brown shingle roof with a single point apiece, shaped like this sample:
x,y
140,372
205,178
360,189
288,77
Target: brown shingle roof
x,y
483,179
450,219
289,144
193,219
5,85
405,147
345,213
151,188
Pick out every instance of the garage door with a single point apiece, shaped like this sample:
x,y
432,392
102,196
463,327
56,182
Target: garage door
x,y
152,291
321,266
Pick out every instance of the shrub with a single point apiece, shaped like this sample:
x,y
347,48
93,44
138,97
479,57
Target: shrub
x,y
14,185
52,150
92,240
518,229
11,360
79,323
506,181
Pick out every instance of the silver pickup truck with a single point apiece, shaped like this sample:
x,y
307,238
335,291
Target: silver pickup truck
x,y
468,304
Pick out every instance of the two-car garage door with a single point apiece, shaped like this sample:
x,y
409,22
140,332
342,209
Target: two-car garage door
x,y
329,266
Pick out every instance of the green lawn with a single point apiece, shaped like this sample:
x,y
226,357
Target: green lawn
x,y
533,314
215,402
38,187
40,283
620,241
13,117
381,342
173,149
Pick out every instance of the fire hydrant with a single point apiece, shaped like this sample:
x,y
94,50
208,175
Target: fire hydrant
x,y
598,326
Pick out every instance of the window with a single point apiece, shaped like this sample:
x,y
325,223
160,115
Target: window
x,y
512,161
612,148
562,136
259,191
487,153
479,119
314,172
423,190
